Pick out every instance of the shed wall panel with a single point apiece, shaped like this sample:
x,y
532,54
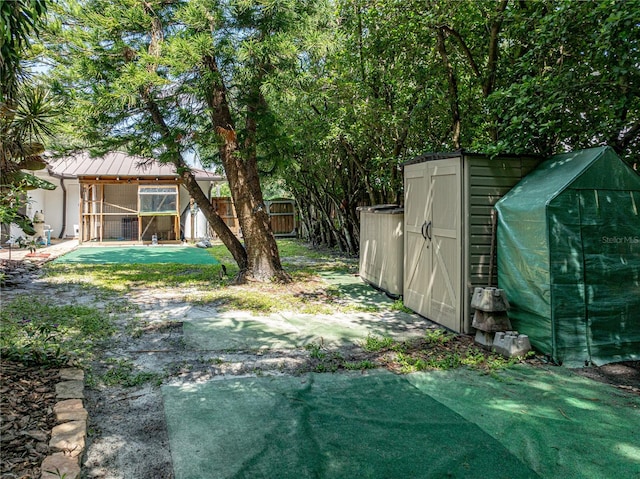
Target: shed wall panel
x,y
489,180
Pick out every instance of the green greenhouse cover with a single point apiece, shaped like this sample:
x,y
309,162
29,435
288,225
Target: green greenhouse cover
x,y
568,245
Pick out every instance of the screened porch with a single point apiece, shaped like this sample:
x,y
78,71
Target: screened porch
x,y
129,211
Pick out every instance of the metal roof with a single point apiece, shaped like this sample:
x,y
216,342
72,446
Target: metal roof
x,y
118,165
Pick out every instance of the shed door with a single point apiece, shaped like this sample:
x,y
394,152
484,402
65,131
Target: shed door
x,y
433,241
416,249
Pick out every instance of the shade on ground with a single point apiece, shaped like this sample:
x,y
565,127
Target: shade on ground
x,y
354,290
326,426
237,330
138,255
529,423
559,423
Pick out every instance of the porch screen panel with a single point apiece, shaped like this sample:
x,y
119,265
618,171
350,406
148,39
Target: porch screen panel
x,y
158,200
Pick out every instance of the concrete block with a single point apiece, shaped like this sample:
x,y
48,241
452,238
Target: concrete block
x,y
491,321
484,338
70,410
58,465
511,344
489,299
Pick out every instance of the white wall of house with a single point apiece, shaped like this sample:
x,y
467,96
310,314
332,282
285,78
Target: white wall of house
x,y
73,209
50,202
200,225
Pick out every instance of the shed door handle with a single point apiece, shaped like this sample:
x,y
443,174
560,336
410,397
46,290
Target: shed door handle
x,y
426,230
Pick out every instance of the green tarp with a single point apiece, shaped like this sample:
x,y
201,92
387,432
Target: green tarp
x,y
138,255
373,425
525,422
568,246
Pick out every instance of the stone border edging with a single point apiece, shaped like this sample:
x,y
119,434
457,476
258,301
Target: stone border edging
x,y
68,437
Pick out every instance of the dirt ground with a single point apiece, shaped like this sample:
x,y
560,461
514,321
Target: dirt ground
x,y
623,375
127,430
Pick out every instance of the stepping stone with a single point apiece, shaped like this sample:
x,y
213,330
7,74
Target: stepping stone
x,y
72,374
69,438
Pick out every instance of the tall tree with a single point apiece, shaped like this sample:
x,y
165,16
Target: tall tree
x,y
366,102
161,79
20,20
26,112
404,77
570,77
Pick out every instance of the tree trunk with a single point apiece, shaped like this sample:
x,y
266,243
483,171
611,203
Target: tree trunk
x,y
263,258
456,123
492,61
215,221
188,180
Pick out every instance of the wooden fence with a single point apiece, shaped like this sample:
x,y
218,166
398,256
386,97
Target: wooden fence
x,y
282,214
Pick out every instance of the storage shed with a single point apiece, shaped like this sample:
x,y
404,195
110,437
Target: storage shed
x,y
448,229
569,257
382,247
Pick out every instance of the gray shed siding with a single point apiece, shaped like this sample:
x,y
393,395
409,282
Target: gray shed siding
x,y
486,181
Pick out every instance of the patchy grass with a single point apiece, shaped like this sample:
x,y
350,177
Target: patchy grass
x,y
308,293
33,331
122,372
43,333
39,332
292,249
116,278
269,298
437,349
398,305
359,365
323,360
311,296
374,344
207,284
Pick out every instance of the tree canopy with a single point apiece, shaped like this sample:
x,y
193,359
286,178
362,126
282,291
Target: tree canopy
x,y
27,112
163,79
403,78
20,21
329,99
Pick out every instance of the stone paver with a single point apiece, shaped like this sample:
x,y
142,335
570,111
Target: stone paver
x,y
72,374
70,390
69,438
70,410
53,251
58,465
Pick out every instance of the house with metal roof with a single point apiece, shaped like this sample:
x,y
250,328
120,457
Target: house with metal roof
x,y
117,197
